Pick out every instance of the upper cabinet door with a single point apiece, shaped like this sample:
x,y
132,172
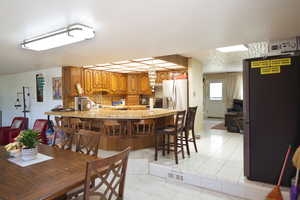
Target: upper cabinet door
x,y
97,80
123,83
132,87
106,80
144,84
88,81
114,81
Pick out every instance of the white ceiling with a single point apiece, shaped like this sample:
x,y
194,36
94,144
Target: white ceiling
x,y
136,28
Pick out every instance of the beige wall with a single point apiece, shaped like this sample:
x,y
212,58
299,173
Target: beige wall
x,y
195,71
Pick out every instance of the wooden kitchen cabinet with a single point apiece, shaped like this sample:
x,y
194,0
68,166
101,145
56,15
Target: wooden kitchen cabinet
x,y
88,81
106,80
97,80
114,83
133,84
70,77
144,83
161,76
123,83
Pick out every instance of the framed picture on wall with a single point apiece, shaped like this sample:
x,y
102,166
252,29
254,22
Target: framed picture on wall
x,y
57,88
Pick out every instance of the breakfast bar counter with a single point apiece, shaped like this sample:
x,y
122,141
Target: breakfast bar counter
x,y
116,114
122,128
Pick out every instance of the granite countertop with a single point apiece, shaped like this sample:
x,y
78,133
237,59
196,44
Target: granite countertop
x,y
116,114
124,106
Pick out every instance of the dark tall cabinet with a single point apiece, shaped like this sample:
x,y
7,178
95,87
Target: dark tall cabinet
x,y
271,116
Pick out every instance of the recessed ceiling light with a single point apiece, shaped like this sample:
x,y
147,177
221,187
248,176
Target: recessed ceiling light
x,y
142,59
101,65
122,62
100,68
115,66
234,48
71,34
113,70
132,64
166,64
154,62
175,67
160,69
88,66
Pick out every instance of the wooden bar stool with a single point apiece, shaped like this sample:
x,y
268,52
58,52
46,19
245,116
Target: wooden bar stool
x,y
189,126
176,132
114,128
143,128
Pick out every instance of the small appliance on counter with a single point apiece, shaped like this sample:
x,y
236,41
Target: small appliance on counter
x,y
83,104
144,100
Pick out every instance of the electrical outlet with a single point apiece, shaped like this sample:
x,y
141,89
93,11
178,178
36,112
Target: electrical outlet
x,y
175,176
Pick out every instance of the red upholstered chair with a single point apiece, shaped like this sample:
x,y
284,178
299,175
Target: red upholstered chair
x,y
8,133
41,126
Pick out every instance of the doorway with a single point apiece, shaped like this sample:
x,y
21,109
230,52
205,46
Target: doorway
x,y
214,98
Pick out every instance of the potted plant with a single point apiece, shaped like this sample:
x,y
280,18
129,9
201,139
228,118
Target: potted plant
x,y
29,140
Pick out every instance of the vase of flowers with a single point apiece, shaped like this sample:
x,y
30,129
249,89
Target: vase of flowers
x,y
29,140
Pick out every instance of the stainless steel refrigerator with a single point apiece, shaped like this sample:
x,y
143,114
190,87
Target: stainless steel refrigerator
x,y
175,94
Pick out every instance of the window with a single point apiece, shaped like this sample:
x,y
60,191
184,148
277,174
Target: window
x,y
216,91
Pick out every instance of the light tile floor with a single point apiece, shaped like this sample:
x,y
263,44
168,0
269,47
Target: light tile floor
x,y
146,187
211,159
220,154
218,165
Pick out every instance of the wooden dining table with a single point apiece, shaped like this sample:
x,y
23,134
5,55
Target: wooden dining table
x,y
45,180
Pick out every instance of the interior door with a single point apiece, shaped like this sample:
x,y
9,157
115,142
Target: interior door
x,y
214,98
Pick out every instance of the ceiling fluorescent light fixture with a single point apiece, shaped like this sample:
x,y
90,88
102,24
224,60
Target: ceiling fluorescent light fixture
x,y
234,48
71,34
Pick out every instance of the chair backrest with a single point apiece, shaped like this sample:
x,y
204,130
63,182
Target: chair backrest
x,y
87,142
20,122
179,123
68,138
190,117
41,126
111,173
143,128
114,128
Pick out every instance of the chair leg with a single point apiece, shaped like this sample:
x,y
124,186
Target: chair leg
x,y
156,147
187,142
194,140
168,144
163,145
181,144
175,149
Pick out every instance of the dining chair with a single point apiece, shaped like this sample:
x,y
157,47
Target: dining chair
x,y
87,142
176,132
110,174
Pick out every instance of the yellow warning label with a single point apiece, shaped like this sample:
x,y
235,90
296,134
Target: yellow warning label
x,y
270,70
271,63
260,63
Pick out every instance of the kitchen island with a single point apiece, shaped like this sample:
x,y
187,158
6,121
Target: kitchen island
x,y
122,128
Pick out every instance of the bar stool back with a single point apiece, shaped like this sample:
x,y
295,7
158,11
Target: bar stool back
x,y
189,126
